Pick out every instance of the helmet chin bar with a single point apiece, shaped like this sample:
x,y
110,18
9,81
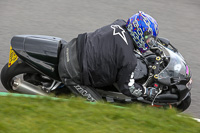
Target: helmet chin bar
x,y
150,40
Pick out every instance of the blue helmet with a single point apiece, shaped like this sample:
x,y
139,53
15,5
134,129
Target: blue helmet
x,y
140,26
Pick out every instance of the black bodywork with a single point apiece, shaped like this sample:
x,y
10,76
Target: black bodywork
x,y
40,52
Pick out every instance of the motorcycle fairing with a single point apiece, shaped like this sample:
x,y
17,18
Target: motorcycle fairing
x,y
176,73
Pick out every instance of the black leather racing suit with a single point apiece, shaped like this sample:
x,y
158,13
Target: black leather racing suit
x,y
106,56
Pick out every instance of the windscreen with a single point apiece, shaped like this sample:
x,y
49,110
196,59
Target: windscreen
x,y
176,68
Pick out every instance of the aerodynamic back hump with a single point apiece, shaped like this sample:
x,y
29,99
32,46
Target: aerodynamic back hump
x,y
39,51
34,45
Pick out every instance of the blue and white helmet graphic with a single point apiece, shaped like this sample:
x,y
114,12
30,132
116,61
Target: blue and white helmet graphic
x,y
137,25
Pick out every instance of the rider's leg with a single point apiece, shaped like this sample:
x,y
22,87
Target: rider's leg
x,y
86,92
69,72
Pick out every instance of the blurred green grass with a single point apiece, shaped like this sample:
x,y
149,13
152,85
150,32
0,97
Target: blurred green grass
x,y
43,115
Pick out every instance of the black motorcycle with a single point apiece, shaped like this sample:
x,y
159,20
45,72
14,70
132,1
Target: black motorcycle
x,y
33,69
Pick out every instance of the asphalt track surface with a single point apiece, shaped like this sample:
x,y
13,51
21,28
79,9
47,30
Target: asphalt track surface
x,y
178,21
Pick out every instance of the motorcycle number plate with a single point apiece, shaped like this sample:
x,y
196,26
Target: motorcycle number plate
x,y
12,57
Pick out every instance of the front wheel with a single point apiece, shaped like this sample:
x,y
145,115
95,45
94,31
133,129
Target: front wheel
x,y
9,73
185,103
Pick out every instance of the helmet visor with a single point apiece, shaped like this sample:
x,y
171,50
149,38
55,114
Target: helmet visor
x,y
150,40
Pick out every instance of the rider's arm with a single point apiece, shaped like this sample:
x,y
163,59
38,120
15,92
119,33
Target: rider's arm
x,y
126,83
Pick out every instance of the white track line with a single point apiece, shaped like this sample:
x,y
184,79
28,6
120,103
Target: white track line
x,y
197,119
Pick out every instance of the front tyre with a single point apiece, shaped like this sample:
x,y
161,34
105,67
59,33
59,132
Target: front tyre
x,y
185,103
9,73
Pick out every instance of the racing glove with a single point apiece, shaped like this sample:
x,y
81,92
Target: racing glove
x,y
138,90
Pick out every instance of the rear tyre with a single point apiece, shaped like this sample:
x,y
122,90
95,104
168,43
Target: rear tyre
x,y
185,103
8,73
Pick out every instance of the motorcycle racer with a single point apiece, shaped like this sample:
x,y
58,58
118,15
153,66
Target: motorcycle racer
x,y
106,56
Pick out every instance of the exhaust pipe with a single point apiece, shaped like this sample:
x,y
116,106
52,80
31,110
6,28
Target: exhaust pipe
x,y
27,88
